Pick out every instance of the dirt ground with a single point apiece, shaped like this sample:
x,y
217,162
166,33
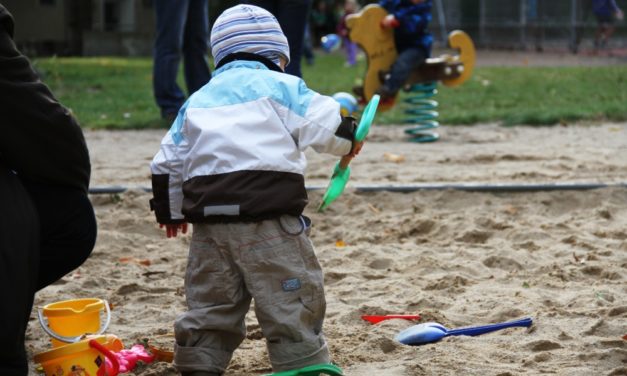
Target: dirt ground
x,y
456,257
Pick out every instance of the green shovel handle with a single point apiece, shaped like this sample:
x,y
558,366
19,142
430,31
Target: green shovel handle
x,y
366,118
341,175
336,185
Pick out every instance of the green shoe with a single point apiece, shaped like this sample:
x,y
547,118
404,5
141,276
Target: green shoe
x,y
314,370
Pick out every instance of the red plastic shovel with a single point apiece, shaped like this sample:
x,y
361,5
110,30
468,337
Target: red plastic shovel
x,y
374,319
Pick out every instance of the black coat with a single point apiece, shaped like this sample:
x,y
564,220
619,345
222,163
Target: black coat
x,y
40,140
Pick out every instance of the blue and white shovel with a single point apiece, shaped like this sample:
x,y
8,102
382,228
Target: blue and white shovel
x,y
430,332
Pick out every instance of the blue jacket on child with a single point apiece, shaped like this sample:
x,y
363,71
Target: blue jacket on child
x,y
604,8
414,20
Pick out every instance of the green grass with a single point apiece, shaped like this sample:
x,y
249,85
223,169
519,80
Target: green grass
x,y
104,92
117,92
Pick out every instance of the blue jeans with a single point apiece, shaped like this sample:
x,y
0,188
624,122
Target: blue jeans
x,y
292,16
182,29
406,62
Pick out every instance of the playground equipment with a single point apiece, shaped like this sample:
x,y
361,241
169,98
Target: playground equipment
x,y
432,331
378,45
406,188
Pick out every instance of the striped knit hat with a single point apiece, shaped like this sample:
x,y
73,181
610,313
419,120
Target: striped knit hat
x,y
248,28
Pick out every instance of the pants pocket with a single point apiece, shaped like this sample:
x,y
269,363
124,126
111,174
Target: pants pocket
x,y
209,277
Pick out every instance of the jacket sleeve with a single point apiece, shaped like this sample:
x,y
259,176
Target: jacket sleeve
x,y
387,5
613,6
320,124
414,18
41,140
167,177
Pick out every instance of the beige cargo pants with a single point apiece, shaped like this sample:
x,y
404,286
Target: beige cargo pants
x,y
272,262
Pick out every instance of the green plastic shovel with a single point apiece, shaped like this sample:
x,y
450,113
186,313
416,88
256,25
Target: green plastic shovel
x,y
342,171
314,370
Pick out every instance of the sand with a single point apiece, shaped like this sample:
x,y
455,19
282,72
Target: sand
x,y
456,257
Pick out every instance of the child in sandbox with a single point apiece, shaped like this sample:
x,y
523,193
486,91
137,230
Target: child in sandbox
x,y
410,19
233,165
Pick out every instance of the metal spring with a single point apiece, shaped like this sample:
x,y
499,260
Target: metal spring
x,y
422,113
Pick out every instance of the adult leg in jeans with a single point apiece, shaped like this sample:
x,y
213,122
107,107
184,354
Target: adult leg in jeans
x,y
170,21
308,47
292,16
19,264
67,228
196,66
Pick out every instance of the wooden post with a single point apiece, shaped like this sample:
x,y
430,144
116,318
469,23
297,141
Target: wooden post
x,y
523,23
482,23
573,26
442,21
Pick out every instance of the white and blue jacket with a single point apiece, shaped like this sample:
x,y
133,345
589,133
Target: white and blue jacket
x,y
236,150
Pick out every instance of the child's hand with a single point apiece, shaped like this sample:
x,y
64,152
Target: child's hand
x,y
389,22
357,145
171,230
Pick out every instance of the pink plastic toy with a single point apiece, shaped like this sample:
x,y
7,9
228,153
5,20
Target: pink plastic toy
x,y
128,358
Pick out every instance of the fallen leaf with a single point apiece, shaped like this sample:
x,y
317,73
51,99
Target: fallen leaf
x,y
373,208
145,262
340,243
162,355
396,158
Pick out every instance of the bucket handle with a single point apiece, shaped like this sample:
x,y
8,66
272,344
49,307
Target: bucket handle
x,y
44,324
106,352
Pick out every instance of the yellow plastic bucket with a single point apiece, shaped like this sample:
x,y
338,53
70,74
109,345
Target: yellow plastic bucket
x,y
84,358
67,321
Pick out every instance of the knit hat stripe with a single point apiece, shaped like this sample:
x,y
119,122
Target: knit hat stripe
x,y
262,27
245,47
248,28
239,19
273,37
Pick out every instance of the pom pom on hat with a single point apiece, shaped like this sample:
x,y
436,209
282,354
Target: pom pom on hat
x,y
248,28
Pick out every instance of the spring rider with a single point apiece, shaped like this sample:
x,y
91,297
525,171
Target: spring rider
x,y
378,45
